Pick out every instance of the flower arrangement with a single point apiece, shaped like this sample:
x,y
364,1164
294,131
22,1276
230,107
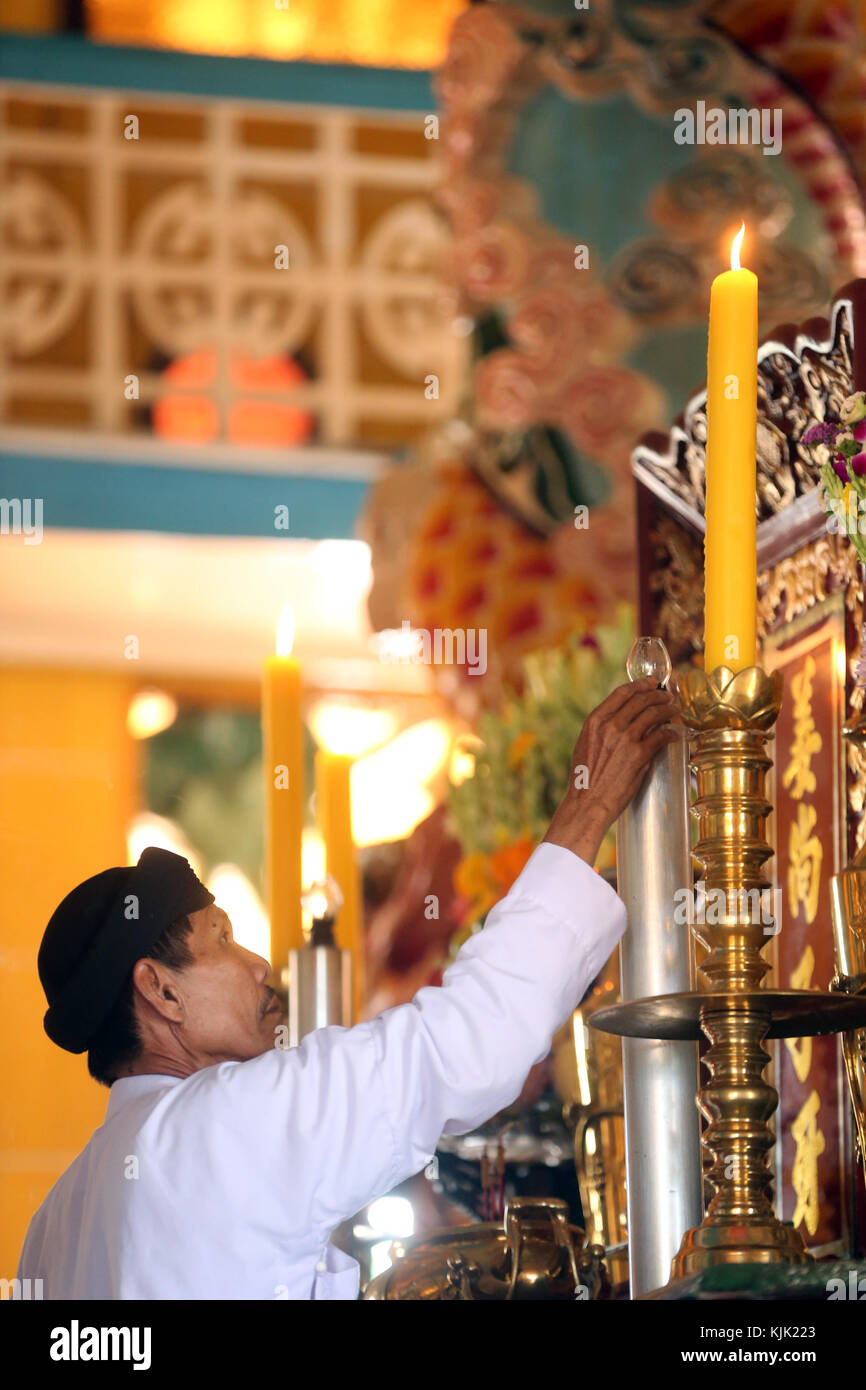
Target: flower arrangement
x,y
839,446
521,767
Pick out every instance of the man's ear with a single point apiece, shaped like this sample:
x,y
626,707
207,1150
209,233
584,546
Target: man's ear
x,y
157,987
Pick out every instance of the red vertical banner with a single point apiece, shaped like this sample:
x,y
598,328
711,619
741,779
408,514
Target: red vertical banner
x,y
813,1156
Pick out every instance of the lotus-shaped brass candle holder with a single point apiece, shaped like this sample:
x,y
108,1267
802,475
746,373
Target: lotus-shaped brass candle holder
x,y
724,699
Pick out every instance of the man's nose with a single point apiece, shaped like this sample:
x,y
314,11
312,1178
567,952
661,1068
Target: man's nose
x,y
261,968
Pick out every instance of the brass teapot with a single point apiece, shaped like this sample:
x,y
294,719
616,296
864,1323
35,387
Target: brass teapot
x,y
535,1253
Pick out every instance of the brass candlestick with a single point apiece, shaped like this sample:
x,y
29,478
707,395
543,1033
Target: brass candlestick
x,y
731,717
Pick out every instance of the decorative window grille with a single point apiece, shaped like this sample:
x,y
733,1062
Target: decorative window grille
x,y
219,271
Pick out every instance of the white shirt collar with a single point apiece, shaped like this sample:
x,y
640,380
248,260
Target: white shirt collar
x,y
128,1088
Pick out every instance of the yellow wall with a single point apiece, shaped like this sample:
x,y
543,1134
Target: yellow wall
x,y
67,773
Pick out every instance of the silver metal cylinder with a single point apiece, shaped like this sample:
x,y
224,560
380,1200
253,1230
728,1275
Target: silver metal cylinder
x,y
320,990
662,1132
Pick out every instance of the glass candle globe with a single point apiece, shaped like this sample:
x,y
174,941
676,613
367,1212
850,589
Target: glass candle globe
x,y
649,657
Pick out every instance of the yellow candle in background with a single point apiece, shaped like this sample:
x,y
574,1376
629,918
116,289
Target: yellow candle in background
x,y
283,756
334,816
730,566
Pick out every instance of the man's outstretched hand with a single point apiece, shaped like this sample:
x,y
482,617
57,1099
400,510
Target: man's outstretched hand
x,y
617,743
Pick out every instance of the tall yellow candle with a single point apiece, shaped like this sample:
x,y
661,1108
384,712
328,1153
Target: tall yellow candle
x,y
283,756
730,573
334,815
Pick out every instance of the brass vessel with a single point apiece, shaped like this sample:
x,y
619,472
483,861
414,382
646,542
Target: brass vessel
x,y
533,1254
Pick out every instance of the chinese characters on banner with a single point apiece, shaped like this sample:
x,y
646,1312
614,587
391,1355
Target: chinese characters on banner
x,y
807,834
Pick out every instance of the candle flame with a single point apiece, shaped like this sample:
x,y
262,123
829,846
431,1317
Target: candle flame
x,y
285,631
735,247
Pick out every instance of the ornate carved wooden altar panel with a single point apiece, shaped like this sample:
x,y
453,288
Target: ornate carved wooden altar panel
x,y
814,1141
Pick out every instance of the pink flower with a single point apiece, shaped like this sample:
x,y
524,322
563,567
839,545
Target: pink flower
x,y
840,467
858,465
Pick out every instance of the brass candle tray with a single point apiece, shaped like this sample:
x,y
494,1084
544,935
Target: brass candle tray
x,y
791,1013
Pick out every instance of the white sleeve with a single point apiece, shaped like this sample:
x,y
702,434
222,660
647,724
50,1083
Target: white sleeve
x,y
457,1054
364,1107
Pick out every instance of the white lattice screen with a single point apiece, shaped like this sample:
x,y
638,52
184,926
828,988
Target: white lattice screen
x,y
144,291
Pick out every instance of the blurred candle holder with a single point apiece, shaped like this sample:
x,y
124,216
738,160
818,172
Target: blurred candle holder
x,y
320,974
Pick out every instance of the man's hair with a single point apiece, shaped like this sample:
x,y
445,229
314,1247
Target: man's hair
x,y
118,1042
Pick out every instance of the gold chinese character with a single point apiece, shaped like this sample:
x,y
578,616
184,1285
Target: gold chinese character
x,y
810,1144
801,1048
798,775
805,854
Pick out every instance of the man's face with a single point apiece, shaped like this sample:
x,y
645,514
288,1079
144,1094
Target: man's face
x,y
229,1013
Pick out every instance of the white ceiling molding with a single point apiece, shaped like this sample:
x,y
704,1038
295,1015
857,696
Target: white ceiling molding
x,y
199,605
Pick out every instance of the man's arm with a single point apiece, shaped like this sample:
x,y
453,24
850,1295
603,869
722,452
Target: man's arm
x,y
364,1107
457,1054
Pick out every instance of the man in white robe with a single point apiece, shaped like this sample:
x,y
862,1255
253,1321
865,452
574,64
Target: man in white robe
x,y
224,1162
